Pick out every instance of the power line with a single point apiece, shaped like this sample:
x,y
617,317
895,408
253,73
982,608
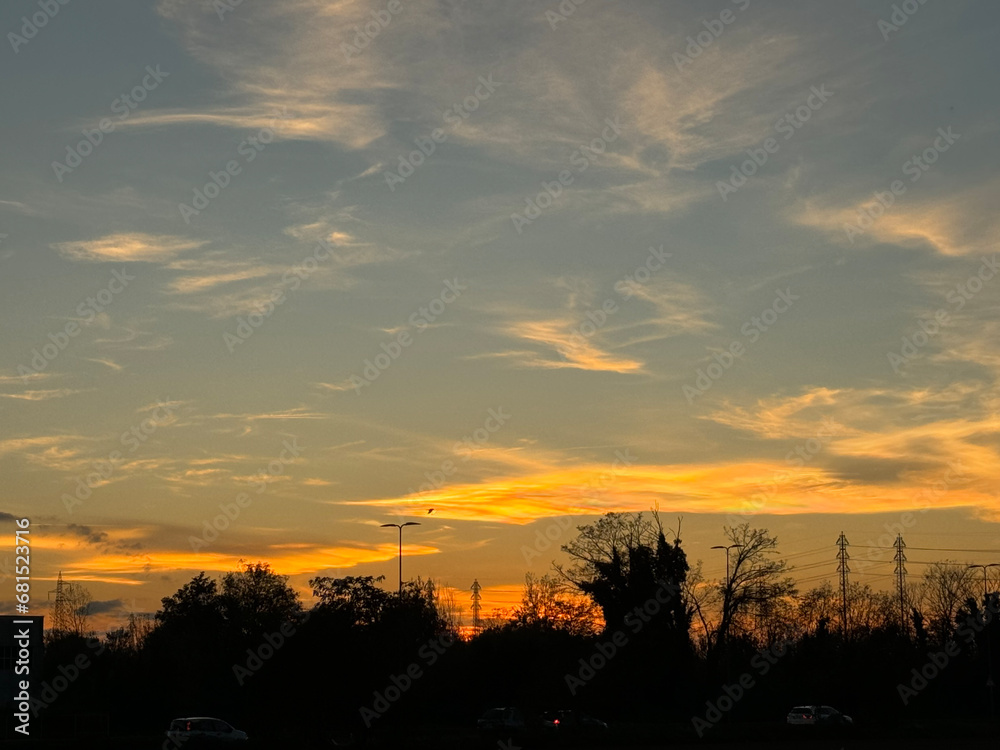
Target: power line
x,y
952,533
813,578
931,549
807,553
819,564
873,563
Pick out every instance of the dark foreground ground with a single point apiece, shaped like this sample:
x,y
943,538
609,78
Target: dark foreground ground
x,y
730,737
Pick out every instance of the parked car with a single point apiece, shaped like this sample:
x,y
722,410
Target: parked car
x,y
502,720
204,729
572,721
818,715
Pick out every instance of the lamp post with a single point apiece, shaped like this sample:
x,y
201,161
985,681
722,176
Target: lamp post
x,y
985,579
731,546
400,527
726,601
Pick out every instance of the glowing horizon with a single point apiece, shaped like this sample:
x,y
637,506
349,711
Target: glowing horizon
x,y
496,271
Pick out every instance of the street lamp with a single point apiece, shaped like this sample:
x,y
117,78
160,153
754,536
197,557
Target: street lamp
x,y
400,527
985,580
731,546
726,602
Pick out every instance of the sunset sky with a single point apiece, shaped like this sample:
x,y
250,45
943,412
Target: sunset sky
x,y
330,264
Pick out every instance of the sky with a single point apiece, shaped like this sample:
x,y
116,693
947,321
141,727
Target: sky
x,y
274,274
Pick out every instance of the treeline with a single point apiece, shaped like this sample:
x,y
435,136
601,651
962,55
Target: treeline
x,y
626,631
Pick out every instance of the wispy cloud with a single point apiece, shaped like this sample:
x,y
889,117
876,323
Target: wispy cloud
x,y
44,395
132,247
592,331
109,363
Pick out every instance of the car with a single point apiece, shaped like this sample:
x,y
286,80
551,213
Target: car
x,y
818,716
501,720
572,721
204,729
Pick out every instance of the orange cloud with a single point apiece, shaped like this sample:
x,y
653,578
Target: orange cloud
x,y
701,488
293,561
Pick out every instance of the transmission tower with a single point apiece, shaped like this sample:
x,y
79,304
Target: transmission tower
x,y
843,569
901,579
60,611
477,606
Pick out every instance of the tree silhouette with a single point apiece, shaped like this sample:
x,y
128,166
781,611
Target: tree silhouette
x,y
195,600
547,605
946,587
624,562
357,600
756,580
255,600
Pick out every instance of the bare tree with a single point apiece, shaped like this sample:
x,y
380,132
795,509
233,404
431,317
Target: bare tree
x,y
77,601
775,621
623,560
869,610
613,536
946,587
130,638
447,607
756,580
702,597
819,607
548,603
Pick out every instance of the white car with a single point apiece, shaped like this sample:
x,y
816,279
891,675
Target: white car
x,y
204,728
818,715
